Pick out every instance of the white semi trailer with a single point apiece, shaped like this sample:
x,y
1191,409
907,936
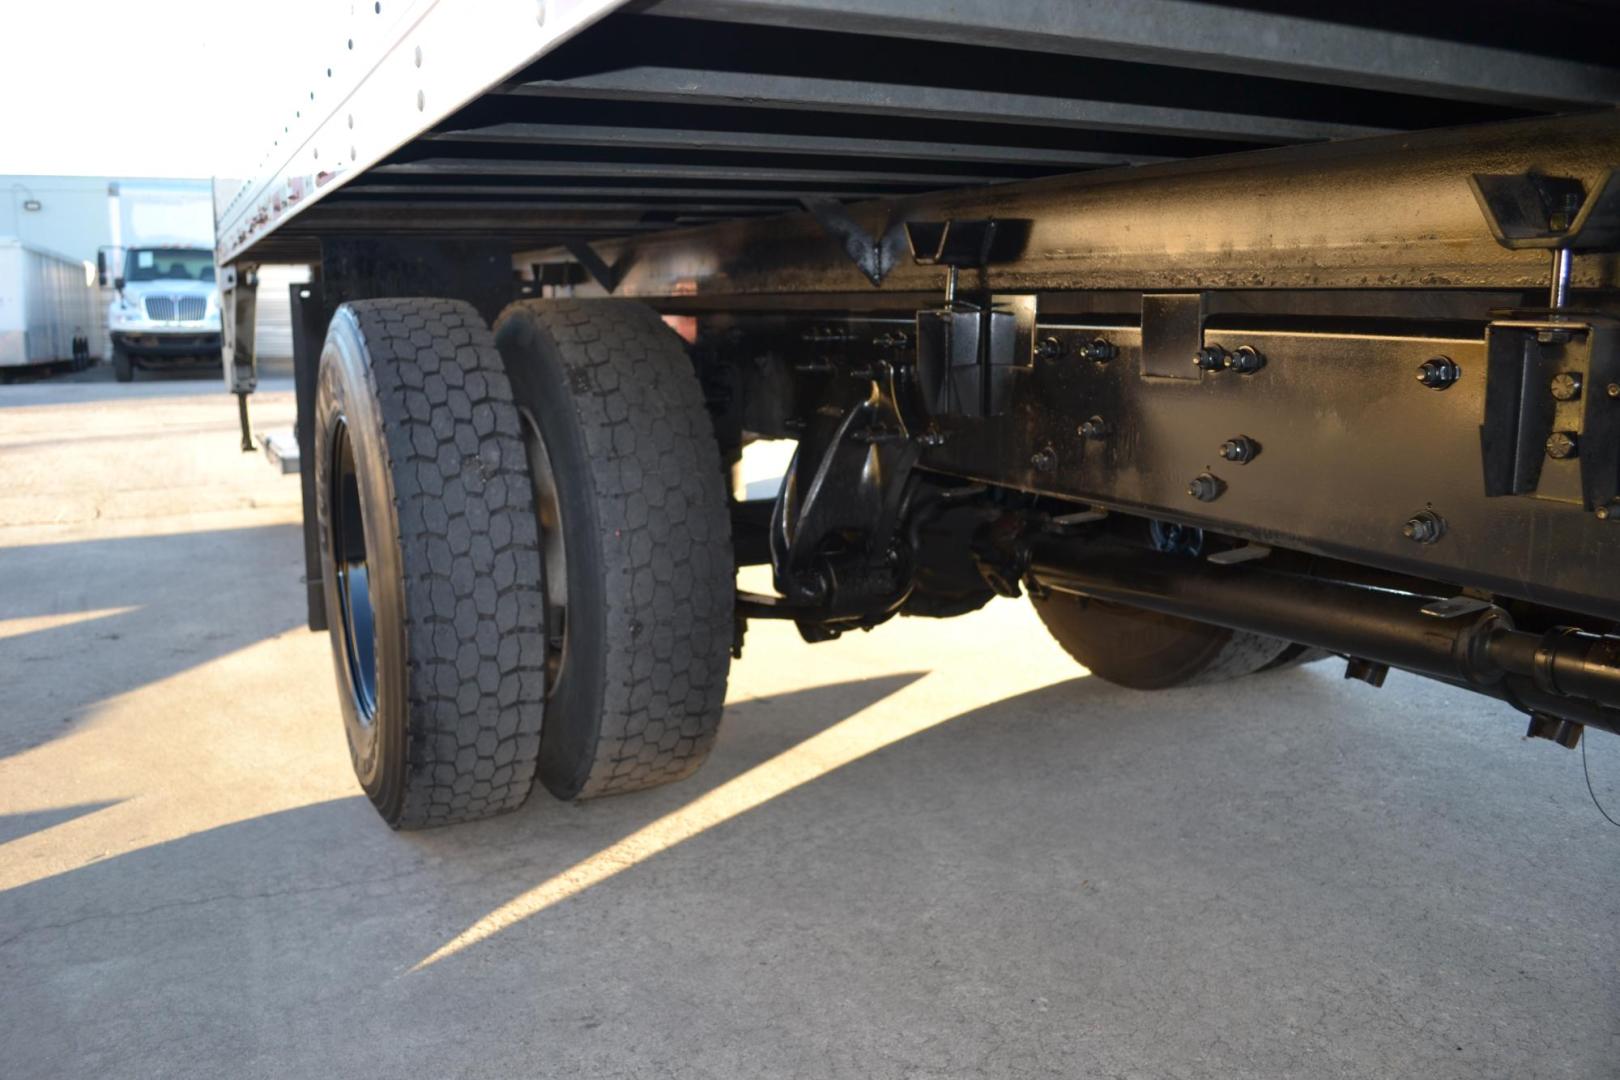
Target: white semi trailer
x,y
1235,335
48,308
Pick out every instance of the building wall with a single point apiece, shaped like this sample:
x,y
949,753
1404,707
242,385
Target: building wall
x,y
71,219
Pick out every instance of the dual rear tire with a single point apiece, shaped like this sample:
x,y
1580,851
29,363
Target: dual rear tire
x,y
526,553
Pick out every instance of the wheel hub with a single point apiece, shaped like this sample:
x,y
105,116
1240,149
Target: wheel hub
x,y
348,545
548,513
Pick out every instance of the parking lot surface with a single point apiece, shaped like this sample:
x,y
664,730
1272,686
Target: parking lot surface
x,y
935,850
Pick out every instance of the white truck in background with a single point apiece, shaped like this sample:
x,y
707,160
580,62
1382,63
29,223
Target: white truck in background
x,y
47,308
166,310
161,264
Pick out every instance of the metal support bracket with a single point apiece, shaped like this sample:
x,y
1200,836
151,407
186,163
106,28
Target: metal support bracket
x,y
239,296
874,256
310,312
968,355
1552,423
1530,210
604,275
239,293
1172,334
1553,213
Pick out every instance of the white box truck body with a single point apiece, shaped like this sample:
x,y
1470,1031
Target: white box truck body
x,y
47,307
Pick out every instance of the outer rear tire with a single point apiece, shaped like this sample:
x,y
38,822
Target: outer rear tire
x,y
1145,650
641,648
123,366
432,573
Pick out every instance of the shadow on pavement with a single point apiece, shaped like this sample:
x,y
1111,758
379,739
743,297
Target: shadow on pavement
x,y
194,597
17,826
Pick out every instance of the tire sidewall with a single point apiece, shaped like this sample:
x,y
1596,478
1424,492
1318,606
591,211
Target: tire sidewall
x,y
345,393
540,387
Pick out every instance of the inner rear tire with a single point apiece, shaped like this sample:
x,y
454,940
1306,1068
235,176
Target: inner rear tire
x,y
428,550
631,481
1145,650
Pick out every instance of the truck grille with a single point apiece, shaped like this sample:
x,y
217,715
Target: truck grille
x,y
170,308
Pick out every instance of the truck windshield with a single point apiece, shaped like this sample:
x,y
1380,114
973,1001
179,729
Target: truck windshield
x,y
169,264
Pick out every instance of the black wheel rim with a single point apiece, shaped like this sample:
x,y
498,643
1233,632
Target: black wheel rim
x,y
348,538
554,558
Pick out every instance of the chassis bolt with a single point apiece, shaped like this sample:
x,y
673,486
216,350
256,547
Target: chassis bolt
x,y
1424,527
1240,449
1210,358
1613,390
1206,487
1044,459
1245,361
1565,386
1095,428
1604,513
1439,373
1100,350
1561,445
1049,349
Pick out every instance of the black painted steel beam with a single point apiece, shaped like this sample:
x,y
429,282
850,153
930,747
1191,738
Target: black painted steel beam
x,y
1204,36
696,86
592,135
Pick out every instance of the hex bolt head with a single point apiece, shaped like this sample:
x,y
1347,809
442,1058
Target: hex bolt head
x,y
1044,459
1206,487
1561,445
1210,358
1239,448
1424,527
1565,386
1049,349
1245,361
1095,428
1099,350
1438,373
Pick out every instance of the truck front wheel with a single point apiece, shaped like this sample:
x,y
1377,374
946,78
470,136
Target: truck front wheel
x,y
431,566
1145,650
123,366
630,491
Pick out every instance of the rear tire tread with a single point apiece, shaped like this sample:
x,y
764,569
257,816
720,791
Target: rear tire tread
x,y
469,550
663,537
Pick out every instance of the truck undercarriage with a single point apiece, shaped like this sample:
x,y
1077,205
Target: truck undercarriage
x,y
1214,415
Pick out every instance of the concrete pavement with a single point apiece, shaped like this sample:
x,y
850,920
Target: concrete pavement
x,y
937,850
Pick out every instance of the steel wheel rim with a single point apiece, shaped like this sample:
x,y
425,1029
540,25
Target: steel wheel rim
x,y
553,553
353,577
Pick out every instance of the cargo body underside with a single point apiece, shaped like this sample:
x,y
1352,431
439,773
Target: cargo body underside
x,y
1216,298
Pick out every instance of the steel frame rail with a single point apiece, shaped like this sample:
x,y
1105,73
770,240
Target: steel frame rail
x,y
1391,212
